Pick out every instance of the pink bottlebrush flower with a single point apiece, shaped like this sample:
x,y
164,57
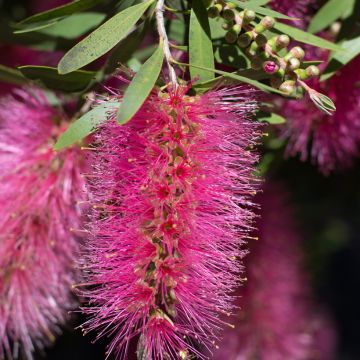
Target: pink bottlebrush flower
x,y
171,192
335,139
273,318
38,193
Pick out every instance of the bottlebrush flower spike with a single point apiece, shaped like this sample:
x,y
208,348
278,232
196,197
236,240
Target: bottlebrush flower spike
x,y
334,138
171,193
38,192
274,321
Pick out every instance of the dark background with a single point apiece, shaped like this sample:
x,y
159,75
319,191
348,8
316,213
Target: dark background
x,y
328,210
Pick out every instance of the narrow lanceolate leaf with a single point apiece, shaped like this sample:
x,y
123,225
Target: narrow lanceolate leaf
x,y
103,39
61,11
141,86
256,6
11,76
305,37
50,78
85,125
200,44
330,12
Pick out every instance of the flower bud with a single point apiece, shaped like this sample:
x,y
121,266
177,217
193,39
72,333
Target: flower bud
x,y
231,5
282,41
214,11
297,52
270,67
293,63
267,22
231,36
312,70
249,16
287,87
253,49
261,39
228,14
245,39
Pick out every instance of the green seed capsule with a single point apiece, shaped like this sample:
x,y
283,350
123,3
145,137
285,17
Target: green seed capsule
x,y
268,22
312,70
228,14
245,39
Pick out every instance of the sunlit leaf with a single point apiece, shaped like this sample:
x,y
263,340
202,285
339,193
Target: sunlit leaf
x,y
103,39
141,86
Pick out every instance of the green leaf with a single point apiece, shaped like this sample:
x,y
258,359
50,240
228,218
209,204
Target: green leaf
x,y
200,44
35,27
61,11
102,39
11,76
255,6
305,37
270,118
75,25
49,77
85,125
338,59
330,12
141,86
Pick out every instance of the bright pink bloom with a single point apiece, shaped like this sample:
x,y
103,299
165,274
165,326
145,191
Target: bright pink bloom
x,y
273,321
38,193
335,139
171,193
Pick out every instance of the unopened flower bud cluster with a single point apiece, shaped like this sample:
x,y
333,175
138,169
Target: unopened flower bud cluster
x,y
265,51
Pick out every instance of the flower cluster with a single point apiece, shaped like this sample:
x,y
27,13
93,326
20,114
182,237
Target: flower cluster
x,y
38,192
171,192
